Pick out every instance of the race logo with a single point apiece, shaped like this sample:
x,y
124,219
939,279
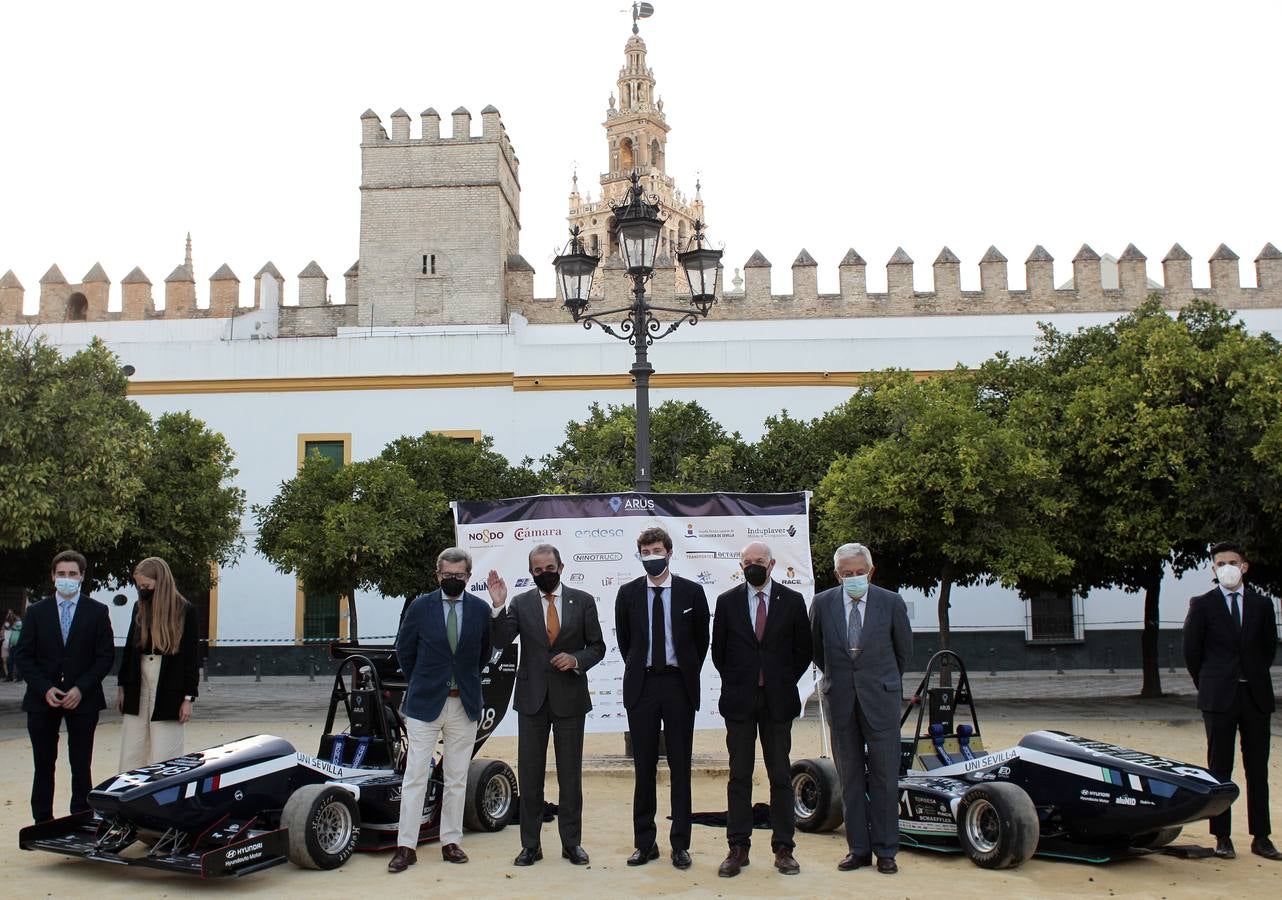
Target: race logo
x,y
484,536
533,534
597,557
792,571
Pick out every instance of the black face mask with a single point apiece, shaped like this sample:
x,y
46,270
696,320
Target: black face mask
x,y
756,574
655,567
547,581
145,594
452,586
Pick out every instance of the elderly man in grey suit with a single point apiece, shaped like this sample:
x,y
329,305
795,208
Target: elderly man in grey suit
x,y
560,640
862,644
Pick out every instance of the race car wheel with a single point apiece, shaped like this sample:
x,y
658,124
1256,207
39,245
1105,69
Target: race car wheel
x,y
323,823
997,825
1155,839
491,795
816,794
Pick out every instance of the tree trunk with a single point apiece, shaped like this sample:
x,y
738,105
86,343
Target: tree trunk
x,y
945,642
353,631
1148,639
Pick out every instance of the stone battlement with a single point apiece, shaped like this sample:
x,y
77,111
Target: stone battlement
x,y
1087,292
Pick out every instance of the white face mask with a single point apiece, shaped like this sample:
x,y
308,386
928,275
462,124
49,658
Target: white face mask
x,y
1229,575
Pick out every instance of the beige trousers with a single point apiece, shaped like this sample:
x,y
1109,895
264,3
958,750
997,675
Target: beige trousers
x,y
142,741
459,733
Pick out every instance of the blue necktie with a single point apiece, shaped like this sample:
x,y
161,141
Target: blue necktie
x,y
64,618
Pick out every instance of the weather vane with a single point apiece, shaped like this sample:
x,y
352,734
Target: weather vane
x,y
640,11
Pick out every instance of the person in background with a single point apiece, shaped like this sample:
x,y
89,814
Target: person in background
x,y
5,634
65,651
15,633
159,671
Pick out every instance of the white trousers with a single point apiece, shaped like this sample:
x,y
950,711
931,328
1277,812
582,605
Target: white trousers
x,y
142,741
459,734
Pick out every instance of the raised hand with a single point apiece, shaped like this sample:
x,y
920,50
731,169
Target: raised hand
x,y
497,587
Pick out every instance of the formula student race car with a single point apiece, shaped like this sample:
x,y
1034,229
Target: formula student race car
x,y
1053,794
257,802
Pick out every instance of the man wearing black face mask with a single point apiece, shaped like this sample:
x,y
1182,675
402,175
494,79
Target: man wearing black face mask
x,y
560,640
761,647
661,622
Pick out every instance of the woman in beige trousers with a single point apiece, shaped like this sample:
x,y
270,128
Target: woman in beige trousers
x,y
160,669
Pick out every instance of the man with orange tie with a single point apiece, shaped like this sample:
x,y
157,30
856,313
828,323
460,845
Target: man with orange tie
x,y
560,640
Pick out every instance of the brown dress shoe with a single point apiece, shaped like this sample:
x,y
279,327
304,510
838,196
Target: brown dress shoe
x,y
854,861
402,859
735,860
785,863
453,853
886,865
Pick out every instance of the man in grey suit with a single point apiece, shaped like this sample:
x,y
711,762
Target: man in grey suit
x,y
560,640
862,644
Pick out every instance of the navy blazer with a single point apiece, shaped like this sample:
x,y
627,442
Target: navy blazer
x,y
82,662
689,634
1217,655
783,656
423,650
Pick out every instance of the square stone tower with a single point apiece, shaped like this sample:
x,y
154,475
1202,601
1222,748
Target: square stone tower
x,y
440,217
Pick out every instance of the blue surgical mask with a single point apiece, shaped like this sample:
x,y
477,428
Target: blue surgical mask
x,y
855,585
67,587
654,565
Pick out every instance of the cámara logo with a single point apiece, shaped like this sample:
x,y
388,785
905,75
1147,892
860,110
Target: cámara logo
x,y
530,534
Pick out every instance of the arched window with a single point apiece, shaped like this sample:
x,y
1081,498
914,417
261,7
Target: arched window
x,y
627,159
656,155
77,308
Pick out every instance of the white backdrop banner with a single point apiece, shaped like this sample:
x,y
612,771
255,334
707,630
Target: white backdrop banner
x,y
596,536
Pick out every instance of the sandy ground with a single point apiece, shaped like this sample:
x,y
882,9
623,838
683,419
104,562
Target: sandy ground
x,y
608,838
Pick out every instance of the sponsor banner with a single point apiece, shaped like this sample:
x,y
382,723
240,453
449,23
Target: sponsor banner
x,y
596,537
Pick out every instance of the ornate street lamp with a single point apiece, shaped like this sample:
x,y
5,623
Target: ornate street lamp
x,y
638,224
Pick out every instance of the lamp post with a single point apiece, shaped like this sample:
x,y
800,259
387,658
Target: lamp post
x,y
638,224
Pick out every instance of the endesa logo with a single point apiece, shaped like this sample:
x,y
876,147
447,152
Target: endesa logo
x,y
532,534
597,533
485,536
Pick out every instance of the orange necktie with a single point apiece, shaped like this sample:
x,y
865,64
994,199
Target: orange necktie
x,y
554,624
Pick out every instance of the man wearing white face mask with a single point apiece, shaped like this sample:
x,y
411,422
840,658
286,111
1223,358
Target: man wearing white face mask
x,y
1230,639
862,643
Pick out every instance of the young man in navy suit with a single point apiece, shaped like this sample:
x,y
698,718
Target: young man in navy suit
x,y
65,651
1230,639
443,643
661,622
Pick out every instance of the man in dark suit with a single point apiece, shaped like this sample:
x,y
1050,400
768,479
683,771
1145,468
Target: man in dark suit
x,y
863,643
442,645
560,640
65,651
661,622
761,646
1230,639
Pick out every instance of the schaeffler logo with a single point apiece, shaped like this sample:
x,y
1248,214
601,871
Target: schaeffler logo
x,y
531,534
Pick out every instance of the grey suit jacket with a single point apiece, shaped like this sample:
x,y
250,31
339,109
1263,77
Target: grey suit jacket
x,y
537,681
874,675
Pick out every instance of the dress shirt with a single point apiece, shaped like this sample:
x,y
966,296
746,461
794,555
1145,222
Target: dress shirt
x,y
666,587
752,600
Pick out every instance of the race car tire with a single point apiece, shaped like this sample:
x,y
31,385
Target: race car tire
x,y
997,825
1154,839
491,796
816,795
324,825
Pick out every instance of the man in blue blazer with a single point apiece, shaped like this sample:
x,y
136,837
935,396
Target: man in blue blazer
x,y
443,644
862,644
65,651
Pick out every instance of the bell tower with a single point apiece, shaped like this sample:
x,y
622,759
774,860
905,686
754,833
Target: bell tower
x,y
636,134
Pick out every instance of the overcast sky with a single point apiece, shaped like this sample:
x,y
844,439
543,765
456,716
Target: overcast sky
x,y
822,125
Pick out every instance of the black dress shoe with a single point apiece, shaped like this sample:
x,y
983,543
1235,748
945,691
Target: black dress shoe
x,y
453,853
854,861
402,859
1262,846
681,859
785,862
641,857
576,855
1224,848
886,865
528,856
